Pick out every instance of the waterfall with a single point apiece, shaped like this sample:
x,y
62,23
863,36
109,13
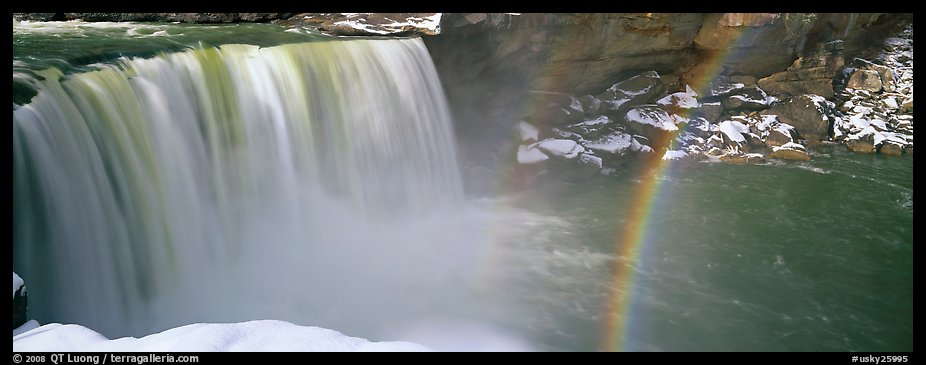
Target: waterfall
x,y
162,191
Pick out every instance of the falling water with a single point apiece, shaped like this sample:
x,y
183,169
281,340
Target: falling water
x,y
173,189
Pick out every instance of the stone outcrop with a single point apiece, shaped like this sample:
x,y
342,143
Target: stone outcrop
x,y
811,73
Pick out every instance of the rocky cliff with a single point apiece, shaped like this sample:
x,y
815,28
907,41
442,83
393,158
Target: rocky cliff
x,y
766,74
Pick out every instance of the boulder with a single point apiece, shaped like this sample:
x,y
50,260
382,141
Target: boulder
x,y
552,115
779,135
637,90
891,148
710,111
615,144
580,168
20,301
527,132
907,104
809,114
791,151
863,141
590,104
560,148
679,102
751,98
652,122
867,80
529,155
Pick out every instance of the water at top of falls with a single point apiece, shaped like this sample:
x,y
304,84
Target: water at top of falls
x,y
136,182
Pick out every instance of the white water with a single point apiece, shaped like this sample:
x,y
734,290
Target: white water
x,y
310,182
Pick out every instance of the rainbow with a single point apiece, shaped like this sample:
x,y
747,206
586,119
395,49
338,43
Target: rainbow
x,y
618,308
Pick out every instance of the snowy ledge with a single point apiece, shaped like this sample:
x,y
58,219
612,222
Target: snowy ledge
x,y
370,24
265,335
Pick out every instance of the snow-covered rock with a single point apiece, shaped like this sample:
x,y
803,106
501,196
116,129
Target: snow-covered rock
x,y
791,151
615,143
674,155
653,117
734,131
529,154
562,148
527,132
264,335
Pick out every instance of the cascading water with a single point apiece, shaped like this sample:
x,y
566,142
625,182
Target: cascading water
x,y
228,183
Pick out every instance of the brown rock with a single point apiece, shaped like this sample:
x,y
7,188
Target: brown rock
x,y
862,145
811,73
892,148
867,80
797,154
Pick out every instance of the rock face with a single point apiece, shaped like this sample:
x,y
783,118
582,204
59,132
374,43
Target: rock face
x,y
811,73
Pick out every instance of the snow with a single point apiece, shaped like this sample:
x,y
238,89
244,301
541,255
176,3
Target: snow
x,y
864,133
28,326
527,132
724,87
785,129
431,23
789,146
615,142
674,155
529,155
566,148
896,138
878,124
891,103
733,130
263,335
858,121
766,122
684,100
17,283
602,120
652,116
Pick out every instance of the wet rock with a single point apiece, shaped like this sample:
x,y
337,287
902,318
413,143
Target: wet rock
x,y
791,151
891,148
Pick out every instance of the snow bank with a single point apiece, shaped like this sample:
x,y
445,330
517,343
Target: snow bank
x,y
265,335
